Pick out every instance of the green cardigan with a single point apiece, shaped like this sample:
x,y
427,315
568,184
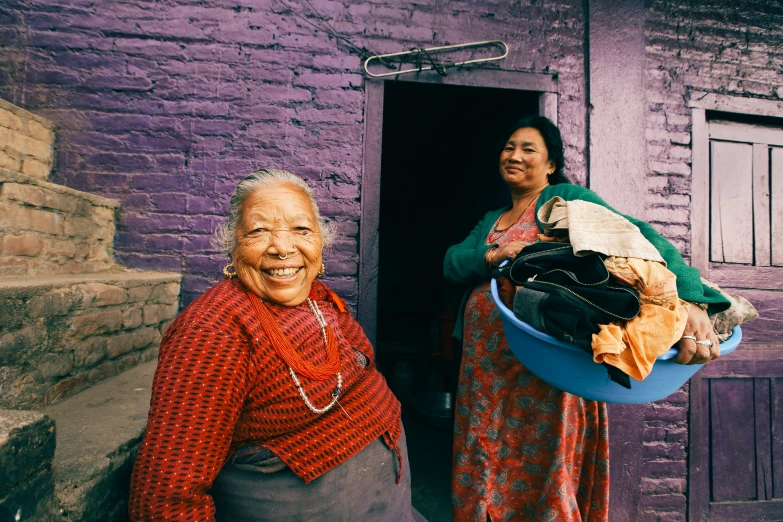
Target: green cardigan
x,y
464,263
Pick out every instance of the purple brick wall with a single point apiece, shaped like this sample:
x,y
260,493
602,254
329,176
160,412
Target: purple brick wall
x,y
711,46
165,105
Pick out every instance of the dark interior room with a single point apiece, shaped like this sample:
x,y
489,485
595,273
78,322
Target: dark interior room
x,y
439,177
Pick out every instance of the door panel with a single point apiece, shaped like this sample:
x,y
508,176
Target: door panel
x,y
738,401
776,204
731,432
731,202
736,418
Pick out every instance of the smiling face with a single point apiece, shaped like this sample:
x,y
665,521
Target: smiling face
x,y
524,161
278,220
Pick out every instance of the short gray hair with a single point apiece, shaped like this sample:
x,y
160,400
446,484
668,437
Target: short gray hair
x,y
226,236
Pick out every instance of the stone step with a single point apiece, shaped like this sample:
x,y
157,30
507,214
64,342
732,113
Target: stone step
x,y
27,441
64,333
47,228
98,433
26,141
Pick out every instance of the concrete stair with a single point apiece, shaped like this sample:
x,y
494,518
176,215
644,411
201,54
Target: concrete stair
x,y
79,337
92,464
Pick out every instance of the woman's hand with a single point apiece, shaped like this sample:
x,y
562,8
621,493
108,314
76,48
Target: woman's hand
x,y
509,251
699,326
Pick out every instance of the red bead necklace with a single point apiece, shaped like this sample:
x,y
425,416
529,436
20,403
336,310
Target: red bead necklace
x,y
284,349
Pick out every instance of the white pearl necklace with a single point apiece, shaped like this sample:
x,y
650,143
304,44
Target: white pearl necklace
x,y
318,411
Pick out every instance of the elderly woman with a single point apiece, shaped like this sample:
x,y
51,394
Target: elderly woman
x,y
266,402
545,457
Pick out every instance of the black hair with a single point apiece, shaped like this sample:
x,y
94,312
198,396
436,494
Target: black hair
x,y
552,140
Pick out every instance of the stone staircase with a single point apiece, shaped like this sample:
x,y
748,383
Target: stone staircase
x,y
79,336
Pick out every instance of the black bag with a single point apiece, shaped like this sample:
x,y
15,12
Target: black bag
x,y
568,296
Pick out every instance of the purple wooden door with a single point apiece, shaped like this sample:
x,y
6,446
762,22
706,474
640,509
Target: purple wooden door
x,y
737,437
736,420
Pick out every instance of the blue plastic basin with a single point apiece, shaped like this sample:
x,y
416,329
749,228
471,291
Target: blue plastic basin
x,y
569,368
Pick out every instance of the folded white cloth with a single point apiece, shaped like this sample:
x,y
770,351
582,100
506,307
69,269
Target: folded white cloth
x,y
593,228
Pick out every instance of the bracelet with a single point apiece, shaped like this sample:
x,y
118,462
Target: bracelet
x,y
489,255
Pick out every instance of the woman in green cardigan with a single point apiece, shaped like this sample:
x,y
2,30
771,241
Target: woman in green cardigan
x,y
522,448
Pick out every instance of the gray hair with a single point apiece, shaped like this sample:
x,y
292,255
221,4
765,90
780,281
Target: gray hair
x,y
225,237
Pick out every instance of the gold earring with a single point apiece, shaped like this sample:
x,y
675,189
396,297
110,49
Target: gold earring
x,y
229,274
323,270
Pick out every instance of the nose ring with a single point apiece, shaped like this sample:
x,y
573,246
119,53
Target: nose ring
x,y
282,257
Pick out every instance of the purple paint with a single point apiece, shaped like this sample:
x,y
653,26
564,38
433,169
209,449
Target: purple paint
x,y
167,109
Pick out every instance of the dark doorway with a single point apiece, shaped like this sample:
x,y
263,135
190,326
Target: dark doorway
x,y
439,176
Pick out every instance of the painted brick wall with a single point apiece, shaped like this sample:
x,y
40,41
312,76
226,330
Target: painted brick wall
x,y
166,105
712,46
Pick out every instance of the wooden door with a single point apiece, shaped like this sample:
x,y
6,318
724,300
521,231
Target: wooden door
x,y
736,421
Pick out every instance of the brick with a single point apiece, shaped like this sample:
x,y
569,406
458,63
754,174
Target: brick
x,y
66,388
33,219
25,145
39,132
57,201
100,294
10,120
10,161
660,486
665,468
663,450
55,365
28,245
90,351
19,346
661,516
36,169
139,293
119,345
95,323
79,227
168,292
344,267
50,304
143,337
154,314
60,248
677,435
131,318
28,194
654,434
669,215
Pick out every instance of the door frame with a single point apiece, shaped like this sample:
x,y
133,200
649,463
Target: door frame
x,y
698,422
544,84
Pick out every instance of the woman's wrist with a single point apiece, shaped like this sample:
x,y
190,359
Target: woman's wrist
x,y
489,257
703,306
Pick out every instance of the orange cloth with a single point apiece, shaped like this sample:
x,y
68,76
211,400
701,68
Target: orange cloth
x,y
633,347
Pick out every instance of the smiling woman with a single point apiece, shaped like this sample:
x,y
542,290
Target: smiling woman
x,y
522,448
267,404
279,245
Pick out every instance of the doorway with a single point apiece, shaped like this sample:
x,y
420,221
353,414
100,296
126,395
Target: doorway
x,y
439,176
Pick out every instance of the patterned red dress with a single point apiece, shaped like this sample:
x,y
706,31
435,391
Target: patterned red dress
x,y
523,450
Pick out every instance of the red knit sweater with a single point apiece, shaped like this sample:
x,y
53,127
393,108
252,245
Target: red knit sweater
x,y
219,383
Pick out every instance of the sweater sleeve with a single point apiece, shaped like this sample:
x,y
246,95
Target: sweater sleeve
x,y
464,262
689,284
197,393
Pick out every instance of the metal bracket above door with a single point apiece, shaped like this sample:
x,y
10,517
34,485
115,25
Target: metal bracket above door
x,y
425,59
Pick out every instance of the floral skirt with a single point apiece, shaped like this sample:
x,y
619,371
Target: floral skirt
x,y
523,450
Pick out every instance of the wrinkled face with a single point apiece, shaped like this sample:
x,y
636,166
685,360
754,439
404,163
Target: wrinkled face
x,y
524,161
278,221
